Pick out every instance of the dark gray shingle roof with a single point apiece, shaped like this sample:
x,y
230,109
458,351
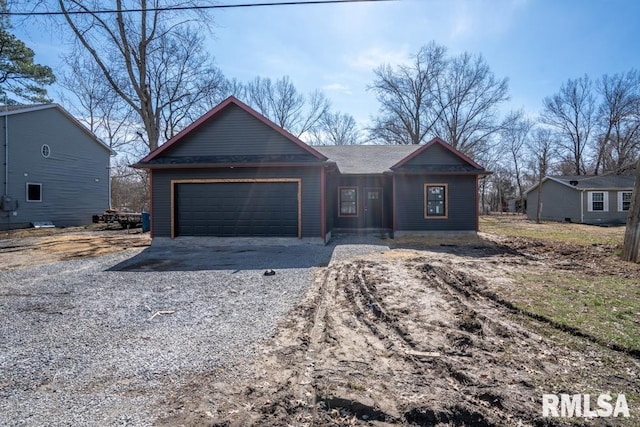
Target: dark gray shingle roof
x,y
366,159
597,182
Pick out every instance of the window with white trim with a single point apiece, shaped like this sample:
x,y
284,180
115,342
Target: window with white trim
x,y
624,201
34,192
598,201
348,201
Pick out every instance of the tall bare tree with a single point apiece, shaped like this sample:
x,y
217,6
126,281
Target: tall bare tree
x,y
455,98
408,107
97,105
281,102
542,149
571,113
336,129
185,83
125,45
514,138
468,97
631,247
618,118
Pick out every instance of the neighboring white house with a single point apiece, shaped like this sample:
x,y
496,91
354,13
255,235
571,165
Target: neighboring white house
x,y
588,199
53,169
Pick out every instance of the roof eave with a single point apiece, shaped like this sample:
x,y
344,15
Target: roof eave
x,y
215,111
143,165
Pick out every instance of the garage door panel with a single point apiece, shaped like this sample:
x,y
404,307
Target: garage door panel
x,y
237,209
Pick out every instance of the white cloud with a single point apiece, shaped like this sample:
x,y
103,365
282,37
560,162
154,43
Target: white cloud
x,y
472,19
373,57
337,87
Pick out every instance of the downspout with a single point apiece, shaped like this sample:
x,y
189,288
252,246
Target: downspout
x,y
6,154
582,207
323,217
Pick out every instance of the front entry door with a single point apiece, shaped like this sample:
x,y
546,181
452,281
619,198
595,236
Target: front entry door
x,y
373,207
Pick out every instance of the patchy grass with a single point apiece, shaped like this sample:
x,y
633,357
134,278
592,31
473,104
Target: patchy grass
x,y
580,234
606,307
587,291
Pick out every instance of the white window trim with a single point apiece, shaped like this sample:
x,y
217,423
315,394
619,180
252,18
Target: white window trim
x,y
26,189
620,193
605,201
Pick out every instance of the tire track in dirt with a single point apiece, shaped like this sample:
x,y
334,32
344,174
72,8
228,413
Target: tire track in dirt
x,y
409,340
460,281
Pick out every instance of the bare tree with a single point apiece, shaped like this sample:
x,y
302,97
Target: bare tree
x,y
618,121
336,129
408,108
513,138
543,149
281,102
123,45
631,247
571,113
455,99
468,96
184,82
96,104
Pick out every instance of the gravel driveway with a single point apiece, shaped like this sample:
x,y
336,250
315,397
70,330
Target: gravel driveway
x,y
102,341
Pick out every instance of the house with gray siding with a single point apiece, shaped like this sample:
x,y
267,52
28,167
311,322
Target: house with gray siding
x,y
234,173
53,168
585,199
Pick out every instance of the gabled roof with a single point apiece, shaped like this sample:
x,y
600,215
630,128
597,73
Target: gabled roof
x,y
442,143
591,182
366,159
377,159
216,111
12,110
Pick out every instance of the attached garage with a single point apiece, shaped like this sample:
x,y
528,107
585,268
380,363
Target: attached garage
x,y
237,207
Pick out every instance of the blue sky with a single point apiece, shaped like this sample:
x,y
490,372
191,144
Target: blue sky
x,y
537,44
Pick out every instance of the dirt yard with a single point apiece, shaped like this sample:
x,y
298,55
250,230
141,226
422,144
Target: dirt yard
x,y
28,247
424,333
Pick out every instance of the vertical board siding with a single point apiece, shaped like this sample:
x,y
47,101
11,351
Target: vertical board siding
x,y
234,132
310,204
74,178
462,214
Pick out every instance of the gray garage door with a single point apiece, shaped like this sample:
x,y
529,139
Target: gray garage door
x,y
242,209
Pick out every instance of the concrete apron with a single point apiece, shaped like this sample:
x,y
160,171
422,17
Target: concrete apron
x,y
205,241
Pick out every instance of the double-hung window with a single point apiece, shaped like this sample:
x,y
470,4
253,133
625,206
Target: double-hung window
x,y
598,201
624,201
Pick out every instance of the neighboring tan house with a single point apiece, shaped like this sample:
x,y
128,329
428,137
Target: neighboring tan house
x,y
53,169
600,199
235,173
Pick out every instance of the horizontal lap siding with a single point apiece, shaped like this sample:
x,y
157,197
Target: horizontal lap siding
x,y
74,178
462,207
234,132
558,202
161,192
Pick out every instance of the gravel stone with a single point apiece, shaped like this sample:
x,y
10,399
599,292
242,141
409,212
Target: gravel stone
x,y
80,344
